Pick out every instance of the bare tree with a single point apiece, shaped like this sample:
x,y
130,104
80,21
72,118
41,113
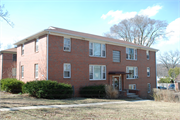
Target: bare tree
x,y
5,15
140,30
170,59
161,71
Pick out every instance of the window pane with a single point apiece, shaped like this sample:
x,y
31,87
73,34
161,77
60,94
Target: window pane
x,y
97,72
97,49
116,56
131,70
66,74
131,53
66,67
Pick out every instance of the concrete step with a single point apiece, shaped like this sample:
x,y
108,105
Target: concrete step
x,y
130,94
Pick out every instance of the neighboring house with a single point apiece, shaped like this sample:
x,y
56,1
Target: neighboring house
x,y
82,59
177,83
8,63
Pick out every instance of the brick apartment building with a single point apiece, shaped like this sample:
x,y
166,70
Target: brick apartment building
x,y
82,59
8,59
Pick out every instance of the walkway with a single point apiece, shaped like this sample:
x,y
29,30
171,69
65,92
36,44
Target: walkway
x,y
66,106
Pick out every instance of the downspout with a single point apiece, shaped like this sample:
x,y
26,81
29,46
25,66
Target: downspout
x,y
47,56
2,67
156,69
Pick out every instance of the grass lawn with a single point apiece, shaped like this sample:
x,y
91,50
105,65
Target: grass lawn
x,y
8,100
149,110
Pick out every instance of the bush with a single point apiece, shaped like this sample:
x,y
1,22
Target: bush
x,y
48,89
110,92
94,91
11,85
166,95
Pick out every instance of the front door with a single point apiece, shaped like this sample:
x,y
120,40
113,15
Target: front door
x,y
117,83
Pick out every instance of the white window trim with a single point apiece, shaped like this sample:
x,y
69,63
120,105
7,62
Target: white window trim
x,y
134,72
149,72
70,45
149,91
101,50
101,72
69,70
135,86
36,45
135,53
36,71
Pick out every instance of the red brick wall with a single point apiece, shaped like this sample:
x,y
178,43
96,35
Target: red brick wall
x,y
80,61
7,66
30,58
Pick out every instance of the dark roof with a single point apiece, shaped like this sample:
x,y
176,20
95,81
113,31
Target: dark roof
x,y
11,50
93,36
117,73
177,78
84,36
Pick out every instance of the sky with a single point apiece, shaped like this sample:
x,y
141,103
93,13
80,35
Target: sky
x,y
89,16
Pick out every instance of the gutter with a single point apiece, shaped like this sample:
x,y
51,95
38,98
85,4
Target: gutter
x,y
47,56
2,67
156,69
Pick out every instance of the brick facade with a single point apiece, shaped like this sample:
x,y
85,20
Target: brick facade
x,y
6,65
80,60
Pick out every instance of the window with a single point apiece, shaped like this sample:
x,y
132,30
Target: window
x,y
67,44
97,49
37,45
133,71
147,54
14,57
132,86
14,72
148,72
131,54
97,72
116,56
22,71
67,70
149,87
22,50
36,71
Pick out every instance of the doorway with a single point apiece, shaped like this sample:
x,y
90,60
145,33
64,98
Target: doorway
x,y
117,82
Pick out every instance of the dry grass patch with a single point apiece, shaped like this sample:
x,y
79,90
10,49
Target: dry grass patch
x,y
128,111
8,100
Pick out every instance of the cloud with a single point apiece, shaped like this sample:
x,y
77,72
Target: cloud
x,y
118,15
174,34
150,11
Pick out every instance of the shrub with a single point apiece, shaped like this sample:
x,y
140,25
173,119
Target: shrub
x,y
48,89
11,85
94,91
110,92
166,95
165,80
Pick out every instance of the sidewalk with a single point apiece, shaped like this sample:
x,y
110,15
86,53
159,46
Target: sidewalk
x,y
66,106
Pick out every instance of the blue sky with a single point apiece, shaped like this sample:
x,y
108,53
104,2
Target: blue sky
x,y
90,16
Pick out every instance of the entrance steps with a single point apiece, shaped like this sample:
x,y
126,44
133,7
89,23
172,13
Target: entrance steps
x,y
133,95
